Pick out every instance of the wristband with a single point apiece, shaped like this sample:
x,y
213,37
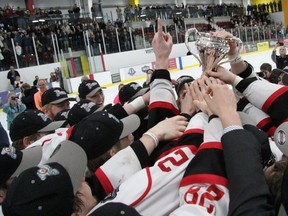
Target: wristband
x,y
231,57
138,104
231,128
154,137
237,81
236,60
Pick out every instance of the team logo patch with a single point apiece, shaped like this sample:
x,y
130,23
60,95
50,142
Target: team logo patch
x,y
43,116
91,85
45,170
113,117
281,137
11,152
59,93
135,86
87,106
65,114
111,196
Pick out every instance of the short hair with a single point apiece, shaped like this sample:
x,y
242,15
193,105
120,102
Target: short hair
x,y
25,86
266,66
274,181
41,80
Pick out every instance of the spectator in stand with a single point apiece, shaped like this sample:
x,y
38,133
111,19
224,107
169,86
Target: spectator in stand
x,y
36,80
17,83
19,53
28,44
280,60
76,11
19,12
7,55
8,11
12,73
119,13
266,69
12,108
37,96
53,77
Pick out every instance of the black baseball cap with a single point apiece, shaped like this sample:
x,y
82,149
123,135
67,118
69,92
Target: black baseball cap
x,y
88,88
115,209
48,189
54,96
14,161
62,116
130,91
80,110
30,122
98,132
182,80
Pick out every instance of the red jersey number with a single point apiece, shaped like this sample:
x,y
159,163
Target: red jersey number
x,y
179,159
212,193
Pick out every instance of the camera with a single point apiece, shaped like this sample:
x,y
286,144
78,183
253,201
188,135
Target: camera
x,y
14,98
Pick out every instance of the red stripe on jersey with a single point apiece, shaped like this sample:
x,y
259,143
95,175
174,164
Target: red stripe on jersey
x,y
263,122
204,179
69,131
45,141
191,147
271,131
104,181
273,97
147,189
198,131
164,105
211,145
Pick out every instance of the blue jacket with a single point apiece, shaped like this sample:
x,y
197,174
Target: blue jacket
x,y
12,112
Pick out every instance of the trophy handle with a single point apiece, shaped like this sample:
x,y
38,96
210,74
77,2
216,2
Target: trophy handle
x,y
188,32
240,47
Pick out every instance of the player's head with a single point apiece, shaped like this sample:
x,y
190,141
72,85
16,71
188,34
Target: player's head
x,y
29,126
13,162
48,189
130,91
55,100
266,69
282,51
100,131
91,90
180,87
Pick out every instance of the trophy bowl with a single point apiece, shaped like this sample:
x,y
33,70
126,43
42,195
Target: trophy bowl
x,y
212,50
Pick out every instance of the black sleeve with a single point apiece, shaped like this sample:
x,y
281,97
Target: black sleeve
x,y
249,193
140,150
118,111
96,187
246,73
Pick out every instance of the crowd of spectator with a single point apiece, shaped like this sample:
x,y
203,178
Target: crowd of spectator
x,y
102,35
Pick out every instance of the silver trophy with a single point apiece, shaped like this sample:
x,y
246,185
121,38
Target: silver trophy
x,y
212,50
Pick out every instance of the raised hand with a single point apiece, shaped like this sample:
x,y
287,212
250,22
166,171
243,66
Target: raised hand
x,y
162,45
221,101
